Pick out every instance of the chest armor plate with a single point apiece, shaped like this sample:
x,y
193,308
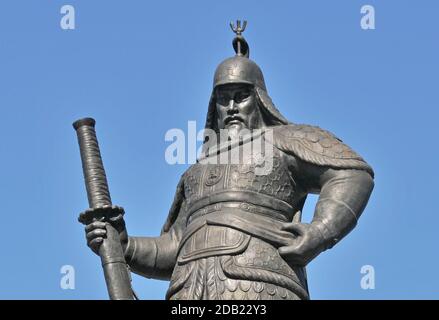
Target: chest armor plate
x,y
205,179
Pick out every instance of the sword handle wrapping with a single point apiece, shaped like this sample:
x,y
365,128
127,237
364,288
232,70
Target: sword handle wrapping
x,y
94,173
117,276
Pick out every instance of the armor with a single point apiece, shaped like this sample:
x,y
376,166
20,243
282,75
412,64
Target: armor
x,y
234,220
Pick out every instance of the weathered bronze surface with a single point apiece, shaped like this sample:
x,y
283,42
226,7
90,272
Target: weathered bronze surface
x,y
233,233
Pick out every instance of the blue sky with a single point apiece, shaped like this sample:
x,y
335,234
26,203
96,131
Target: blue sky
x,y
141,68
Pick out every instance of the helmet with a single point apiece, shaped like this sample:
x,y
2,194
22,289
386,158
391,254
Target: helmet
x,y
240,69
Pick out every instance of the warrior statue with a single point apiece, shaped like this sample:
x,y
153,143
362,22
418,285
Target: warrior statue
x,y
234,234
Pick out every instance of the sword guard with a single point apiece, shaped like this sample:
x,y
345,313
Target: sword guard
x,y
111,214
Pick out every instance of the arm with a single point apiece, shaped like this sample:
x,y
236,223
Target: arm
x,y
155,257
344,194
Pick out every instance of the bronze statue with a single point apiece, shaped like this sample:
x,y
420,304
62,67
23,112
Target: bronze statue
x,y
234,234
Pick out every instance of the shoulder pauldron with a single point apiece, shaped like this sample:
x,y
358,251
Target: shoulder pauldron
x,y
317,146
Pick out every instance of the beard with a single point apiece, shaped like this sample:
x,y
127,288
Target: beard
x,y
234,129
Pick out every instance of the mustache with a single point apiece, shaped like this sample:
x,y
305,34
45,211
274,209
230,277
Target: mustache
x,y
231,118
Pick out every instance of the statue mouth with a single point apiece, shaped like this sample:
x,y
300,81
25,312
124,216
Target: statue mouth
x,y
233,120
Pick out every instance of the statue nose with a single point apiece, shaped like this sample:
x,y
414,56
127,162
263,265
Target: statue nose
x,y
232,106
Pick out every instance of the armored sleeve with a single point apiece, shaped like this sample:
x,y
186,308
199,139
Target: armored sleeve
x,y
323,164
155,257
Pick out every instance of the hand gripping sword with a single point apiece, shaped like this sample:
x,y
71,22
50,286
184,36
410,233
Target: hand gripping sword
x,y
116,272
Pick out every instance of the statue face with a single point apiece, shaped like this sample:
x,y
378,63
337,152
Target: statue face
x,y
236,107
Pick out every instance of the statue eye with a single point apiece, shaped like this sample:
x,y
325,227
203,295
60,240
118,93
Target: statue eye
x,y
222,99
240,96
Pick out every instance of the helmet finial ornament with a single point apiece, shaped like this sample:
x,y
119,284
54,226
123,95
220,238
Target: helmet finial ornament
x,y
239,43
237,29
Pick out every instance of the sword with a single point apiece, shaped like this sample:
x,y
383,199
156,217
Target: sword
x,y
116,272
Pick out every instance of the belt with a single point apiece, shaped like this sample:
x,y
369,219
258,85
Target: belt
x,y
244,206
249,201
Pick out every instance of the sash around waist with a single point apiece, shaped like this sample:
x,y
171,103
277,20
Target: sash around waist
x,y
263,227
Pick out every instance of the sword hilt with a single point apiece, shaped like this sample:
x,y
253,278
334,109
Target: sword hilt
x,y
94,173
